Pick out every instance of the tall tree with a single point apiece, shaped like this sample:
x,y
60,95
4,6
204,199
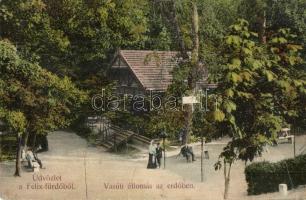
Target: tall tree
x,y
260,92
34,99
16,123
255,11
190,63
196,32
73,37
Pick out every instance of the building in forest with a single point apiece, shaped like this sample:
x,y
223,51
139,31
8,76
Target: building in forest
x,y
142,71
139,71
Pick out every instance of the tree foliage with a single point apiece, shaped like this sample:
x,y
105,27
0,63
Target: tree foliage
x,y
33,100
261,90
73,37
45,99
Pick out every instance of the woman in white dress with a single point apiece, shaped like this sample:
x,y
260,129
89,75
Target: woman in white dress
x,y
152,154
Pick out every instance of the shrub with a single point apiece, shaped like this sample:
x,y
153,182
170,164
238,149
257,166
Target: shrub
x,y
263,177
79,126
7,147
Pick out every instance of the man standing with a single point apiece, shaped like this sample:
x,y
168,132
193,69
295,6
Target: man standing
x,y
159,154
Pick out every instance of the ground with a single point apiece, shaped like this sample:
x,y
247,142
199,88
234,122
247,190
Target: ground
x,y
91,173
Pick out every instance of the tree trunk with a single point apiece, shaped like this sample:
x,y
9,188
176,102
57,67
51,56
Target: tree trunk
x,y
178,31
25,138
45,143
262,27
188,123
194,64
195,30
193,71
226,185
227,176
18,155
25,141
34,141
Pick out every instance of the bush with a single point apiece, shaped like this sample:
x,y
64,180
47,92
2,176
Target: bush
x,y
263,177
7,147
79,126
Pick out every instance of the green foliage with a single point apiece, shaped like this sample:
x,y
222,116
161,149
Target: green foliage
x,y
260,90
16,121
77,38
80,127
8,147
170,121
73,37
278,15
218,115
263,177
35,100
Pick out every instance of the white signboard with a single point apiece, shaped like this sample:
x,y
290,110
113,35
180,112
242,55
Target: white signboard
x,y
190,100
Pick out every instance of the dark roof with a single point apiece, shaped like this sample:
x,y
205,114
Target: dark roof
x,y
152,68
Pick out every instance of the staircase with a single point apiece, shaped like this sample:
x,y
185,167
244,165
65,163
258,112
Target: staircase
x,y
119,136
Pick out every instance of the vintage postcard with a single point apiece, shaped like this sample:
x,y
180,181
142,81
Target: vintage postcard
x,y
152,100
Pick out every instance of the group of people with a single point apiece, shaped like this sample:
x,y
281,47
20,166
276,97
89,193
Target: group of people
x,y
155,155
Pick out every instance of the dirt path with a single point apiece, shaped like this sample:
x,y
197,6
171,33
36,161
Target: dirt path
x,y
75,171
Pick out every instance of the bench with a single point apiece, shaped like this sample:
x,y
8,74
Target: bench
x,y
35,166
187,156
32,164
289,138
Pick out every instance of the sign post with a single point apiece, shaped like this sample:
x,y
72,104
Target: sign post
x,y
164,135
207,87
194,100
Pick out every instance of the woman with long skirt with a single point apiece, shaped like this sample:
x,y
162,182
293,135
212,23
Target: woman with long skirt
x,y
152,154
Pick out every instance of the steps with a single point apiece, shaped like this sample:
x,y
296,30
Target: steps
x,y
119,137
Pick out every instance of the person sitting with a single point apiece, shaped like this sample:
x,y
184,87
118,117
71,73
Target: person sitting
x,y
190,151
31,157
187,151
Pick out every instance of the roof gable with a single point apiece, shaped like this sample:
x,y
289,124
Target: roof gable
x,y
152,68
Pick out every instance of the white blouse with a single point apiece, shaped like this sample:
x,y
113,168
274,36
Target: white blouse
x,y
152,149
